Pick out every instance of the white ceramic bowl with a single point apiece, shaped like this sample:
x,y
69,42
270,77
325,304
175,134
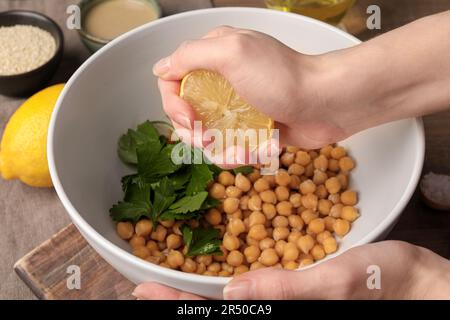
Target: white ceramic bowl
x,y
115,90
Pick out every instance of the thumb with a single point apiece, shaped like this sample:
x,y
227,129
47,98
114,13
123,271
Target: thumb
x,y
208,53
278,284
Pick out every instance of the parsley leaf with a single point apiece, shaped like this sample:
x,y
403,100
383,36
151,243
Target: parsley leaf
x,y
201,175
130,211
164,196
188,204
201,241
129,142
154,162
135,189
243,170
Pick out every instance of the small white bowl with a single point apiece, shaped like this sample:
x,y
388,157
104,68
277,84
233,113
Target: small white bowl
x,y
115,90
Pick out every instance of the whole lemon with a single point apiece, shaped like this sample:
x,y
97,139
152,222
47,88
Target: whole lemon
x,y
23,150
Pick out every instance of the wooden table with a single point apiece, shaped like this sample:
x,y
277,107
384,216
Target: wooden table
x,y
29,216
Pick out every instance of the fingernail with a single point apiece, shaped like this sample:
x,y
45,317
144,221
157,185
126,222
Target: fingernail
x,y
134,294
183,120
237,290
161,67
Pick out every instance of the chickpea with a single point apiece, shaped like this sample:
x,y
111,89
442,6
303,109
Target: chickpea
x,y
321,163
226,267
251,242
151,245
162,245
243,202
302,158
254,203
226,178
290,265
329,245
295,182
296,169
205,259
141,252
223,256
310,201
319,177
295,199
230,242
284,208
154,260
201,268
329,223
287,159
214,267
268,196
335,198
125,230
235,258
210,273
257,232
242,182
333,185
213,216
306,262
266,243
305,243
233,192
240,270
256,265
269,210
333,165
324,206
282,178
349,213
256,217
308,215
317,252
336,210
296,222
307,186
143,228
343,180
326,150
280,221
321,192
137,241
338,152
341,227
317,225
292,149
174,241
322,236
167,223
252,253
223,273
346,164
349,198
294,235
158,254
246,213
279,247
176,228
290,252
175,259
309,170
217,191
282,193
261,185
230,205
235,215
270,179
235,226
189,265
159,234
269,257
280,233
255,175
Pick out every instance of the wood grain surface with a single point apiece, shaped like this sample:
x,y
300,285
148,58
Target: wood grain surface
x,y
30,216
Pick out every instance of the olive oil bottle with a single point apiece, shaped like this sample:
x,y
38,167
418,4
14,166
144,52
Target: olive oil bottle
x,y
330,11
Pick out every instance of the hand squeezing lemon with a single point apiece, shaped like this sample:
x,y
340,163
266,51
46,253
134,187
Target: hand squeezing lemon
x,y
218,106
23,150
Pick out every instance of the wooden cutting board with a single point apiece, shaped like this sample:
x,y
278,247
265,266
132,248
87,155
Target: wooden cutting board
x,y
48,269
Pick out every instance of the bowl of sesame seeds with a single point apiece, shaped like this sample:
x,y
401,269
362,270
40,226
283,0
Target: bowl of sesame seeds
x,y
31,48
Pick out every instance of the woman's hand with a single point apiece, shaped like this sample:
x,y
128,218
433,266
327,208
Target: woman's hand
x,y
277,80
406,272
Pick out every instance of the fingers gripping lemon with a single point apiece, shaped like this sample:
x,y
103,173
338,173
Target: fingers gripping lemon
x,y
23,150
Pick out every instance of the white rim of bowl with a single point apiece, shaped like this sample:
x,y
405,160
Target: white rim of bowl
x,y
135,261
